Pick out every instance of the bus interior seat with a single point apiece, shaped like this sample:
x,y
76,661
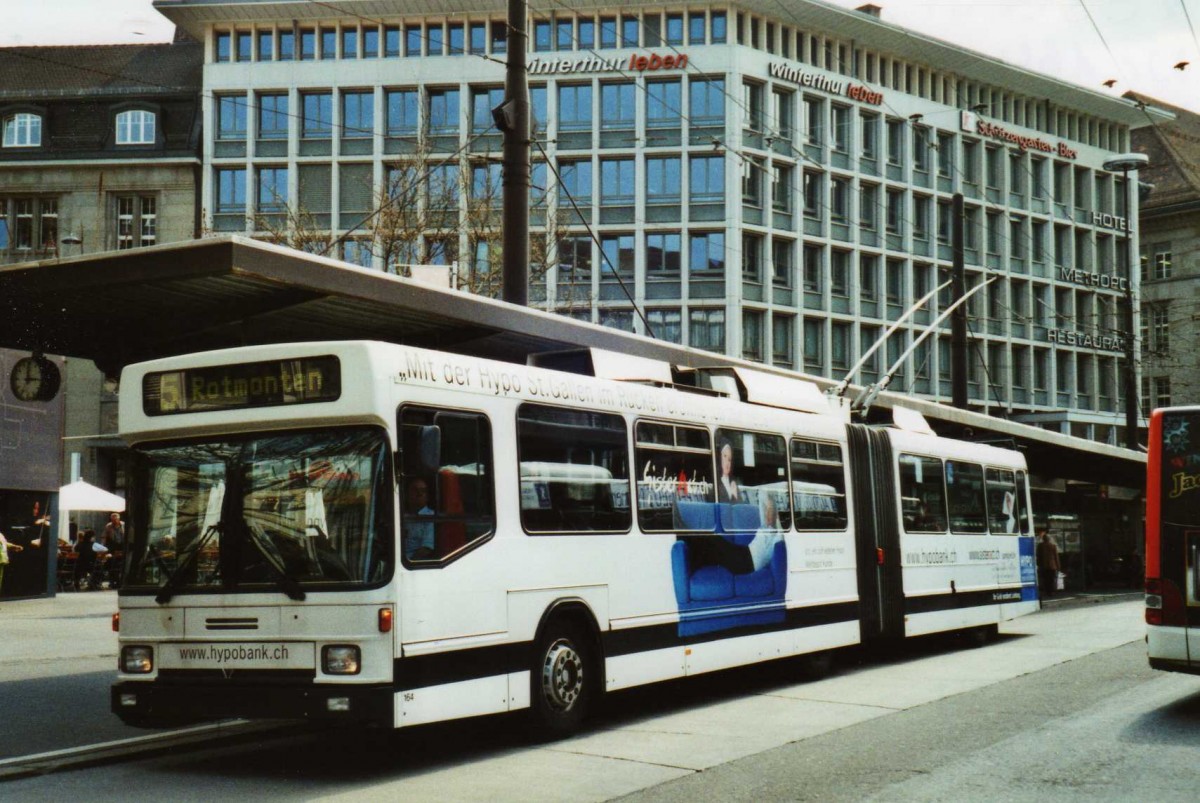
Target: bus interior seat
x,y
451,535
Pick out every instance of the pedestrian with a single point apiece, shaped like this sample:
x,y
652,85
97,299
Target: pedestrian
x,y
5,548
114,539
114,532
40,522
1047,562
85,560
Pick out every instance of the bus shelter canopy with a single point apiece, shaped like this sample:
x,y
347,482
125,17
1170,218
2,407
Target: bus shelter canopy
x,y
122,307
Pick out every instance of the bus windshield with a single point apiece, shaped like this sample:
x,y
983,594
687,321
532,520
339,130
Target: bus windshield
x,y
292,511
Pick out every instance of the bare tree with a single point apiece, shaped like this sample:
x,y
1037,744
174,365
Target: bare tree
x,y
433,210
282,223
417,209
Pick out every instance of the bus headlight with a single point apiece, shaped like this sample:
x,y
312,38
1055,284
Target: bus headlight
x,y
137,660
341,659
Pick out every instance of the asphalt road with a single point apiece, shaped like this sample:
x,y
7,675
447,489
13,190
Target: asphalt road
x,y
1064,707
59,712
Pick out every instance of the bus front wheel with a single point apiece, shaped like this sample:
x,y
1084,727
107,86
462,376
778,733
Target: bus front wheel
x,y
563,681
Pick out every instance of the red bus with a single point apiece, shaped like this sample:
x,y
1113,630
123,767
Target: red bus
x,y
1173,540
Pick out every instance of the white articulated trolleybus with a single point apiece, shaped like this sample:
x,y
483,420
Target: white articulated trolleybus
x,y
381,534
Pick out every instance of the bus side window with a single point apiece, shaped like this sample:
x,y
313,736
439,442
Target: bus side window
x,y
818,485
965,492
752,480
922,494
1003,501
574,470
1023,503
447,493
675,488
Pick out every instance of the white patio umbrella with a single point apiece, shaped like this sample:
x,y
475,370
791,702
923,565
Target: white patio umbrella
x,y
80,495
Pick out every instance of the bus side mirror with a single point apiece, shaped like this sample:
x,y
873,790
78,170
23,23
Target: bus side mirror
x,y
430,449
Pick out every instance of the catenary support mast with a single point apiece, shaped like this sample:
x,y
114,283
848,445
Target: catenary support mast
x,y
513,120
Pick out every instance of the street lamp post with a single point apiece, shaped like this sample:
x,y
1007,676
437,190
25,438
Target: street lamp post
x,y
1123,163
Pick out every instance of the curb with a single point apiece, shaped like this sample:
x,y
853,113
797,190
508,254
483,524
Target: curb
x,y
1066,600
72,757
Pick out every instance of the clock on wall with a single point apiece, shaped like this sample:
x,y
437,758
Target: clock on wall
x,y
35,379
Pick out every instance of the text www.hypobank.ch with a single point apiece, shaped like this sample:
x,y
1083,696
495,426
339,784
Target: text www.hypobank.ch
x,y
234,653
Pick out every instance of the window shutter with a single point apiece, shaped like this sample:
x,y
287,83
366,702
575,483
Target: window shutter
x,y
316,195
355,190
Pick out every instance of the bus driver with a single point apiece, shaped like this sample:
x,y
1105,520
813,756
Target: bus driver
x,y
418,543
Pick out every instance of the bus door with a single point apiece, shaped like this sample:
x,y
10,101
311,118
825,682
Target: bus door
x,y
1191,618
876,533
447,511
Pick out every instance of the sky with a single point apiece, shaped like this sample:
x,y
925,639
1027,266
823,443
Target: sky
x,y
1087,42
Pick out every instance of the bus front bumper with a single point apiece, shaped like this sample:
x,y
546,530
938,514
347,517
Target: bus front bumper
x,y
153,704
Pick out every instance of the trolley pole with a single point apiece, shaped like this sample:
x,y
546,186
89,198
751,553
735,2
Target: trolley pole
x,y
958,320
512,118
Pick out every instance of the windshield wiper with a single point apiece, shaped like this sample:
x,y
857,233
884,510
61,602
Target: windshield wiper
x,y
160,563
175,579
287,583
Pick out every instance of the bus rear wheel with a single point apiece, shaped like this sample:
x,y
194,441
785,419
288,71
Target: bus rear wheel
x,y
816,665
981,636
563,682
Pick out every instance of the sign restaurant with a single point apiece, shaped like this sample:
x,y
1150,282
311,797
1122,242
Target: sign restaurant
x,y
1086,340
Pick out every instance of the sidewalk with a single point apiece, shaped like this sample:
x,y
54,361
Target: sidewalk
x,y
58,635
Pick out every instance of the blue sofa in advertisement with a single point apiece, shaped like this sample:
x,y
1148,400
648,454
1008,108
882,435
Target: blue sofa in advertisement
x,y
715,597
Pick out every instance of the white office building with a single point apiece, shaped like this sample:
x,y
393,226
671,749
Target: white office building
x,y
762,179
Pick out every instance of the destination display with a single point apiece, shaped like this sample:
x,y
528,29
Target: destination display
x,y
304,380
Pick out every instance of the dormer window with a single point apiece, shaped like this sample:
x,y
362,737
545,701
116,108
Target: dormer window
x,y
23,130
135,127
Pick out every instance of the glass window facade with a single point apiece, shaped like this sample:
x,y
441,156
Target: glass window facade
x,y
845,208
